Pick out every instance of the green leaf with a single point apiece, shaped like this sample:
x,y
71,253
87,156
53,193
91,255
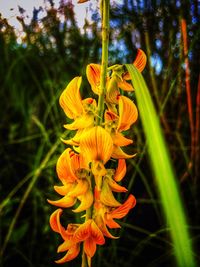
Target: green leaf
x,y
168,187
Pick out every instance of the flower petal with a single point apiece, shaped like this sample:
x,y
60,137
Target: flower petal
x,y
128,113
111,223
80,188
114,186
86,201
64,189
93,76
96,144
89,247
70,99
55,223
112,92
82,122
101,224
96,234
124,208
118,153
141,60
120,140
64,202
125,86
107,197
120,171
70,255
83,232
64,167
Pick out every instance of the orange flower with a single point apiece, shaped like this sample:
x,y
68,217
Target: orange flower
x,y
91,235
69,245
119,212
93,75
128,113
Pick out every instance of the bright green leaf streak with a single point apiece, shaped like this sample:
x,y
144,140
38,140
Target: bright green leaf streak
x,y
163,171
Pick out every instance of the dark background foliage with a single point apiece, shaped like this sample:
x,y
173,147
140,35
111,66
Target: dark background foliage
x,y
32,76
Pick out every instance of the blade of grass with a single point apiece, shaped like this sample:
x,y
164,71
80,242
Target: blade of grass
x,y
163,171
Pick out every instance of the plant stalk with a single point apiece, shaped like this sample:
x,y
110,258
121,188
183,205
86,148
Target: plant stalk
x,y
105,5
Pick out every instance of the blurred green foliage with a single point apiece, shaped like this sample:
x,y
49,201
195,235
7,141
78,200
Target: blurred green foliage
x,y
32,76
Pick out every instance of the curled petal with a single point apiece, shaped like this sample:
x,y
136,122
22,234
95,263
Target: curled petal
x,y
111,223
70,99
96,144
86,201
80,188
93,76
66,245
64,189
84,121
139,62
70,255
64,167
55,223
128,113
64,202
125,86
102,226
107,197
120,171
124,208
120,140
115,187
118,153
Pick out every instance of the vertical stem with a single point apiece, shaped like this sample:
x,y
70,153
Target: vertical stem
x,y
187,84
105,4
104,60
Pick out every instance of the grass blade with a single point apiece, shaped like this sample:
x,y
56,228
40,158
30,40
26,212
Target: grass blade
x,y
161,165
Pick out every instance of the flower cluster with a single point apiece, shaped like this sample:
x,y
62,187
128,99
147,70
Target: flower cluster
x,y
88,175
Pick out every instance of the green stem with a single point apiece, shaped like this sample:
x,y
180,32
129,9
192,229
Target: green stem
x,y
105,4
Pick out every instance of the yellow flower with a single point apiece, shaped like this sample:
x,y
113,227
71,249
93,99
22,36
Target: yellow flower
x,y
81,111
